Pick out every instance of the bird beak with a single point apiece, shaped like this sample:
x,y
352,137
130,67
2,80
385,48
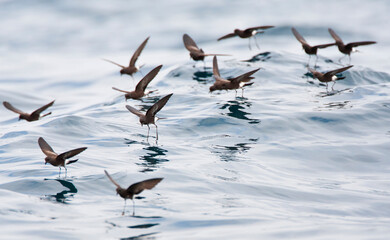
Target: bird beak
x,y
45,163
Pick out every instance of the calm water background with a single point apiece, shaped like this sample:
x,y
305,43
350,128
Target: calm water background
x,y
286,161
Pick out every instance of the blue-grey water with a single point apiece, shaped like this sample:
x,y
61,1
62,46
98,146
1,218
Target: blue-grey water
x,y
285,161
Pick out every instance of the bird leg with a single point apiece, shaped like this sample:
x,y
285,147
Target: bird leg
x,y
308,62
156,132
148,131
124,207
326,87
254,36
249,43
349,56
315,63
334,82
133,206
341,58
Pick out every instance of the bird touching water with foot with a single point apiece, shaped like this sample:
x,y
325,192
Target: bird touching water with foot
x,y
134,189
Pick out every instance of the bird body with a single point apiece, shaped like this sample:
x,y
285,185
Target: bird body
x,y
311,50
150,116
34,116
132,68
139,91
233,83
347,48
246,33
196,53
58,160
328,76
134,189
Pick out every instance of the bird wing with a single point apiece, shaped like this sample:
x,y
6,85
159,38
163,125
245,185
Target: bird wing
x,y
355,44
189,43
312,70
138,52
112,180
259,27
334,72
324,45
120,90
134,111
244,77
12,108
71,153
113,62
214,54
45,147
227,36
138,187
335,36
215,67
43,108
147,79
157,106
298,36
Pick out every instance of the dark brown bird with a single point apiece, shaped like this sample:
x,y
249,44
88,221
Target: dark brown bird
x,y
131,69
233,83
55,159
311,50
329,76
29,116
139,91
150,116
347,48
134,189
246,33
196,53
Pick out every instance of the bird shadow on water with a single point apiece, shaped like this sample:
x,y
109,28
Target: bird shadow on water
x,y
236,109
144,236
63,196
152,158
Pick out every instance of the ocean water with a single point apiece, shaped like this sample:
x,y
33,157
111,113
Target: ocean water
x,y
285,160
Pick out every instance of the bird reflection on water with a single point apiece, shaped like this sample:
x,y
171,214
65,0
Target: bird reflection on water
x,y
152,158
203,76
228,153
63,196
237,109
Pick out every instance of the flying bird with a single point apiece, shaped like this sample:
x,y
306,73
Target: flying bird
x,y
347,48
58,160
34,116
150,116
329,76
233,83
134,189
246,33
139,91
196,53
311,50
131,69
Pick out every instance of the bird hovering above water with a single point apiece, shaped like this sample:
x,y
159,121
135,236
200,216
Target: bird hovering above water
x,y
347,48
234,83
150,116
133,189
329,76
34,116
139,91
131,69
196,53
311,50
246,33
58,160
